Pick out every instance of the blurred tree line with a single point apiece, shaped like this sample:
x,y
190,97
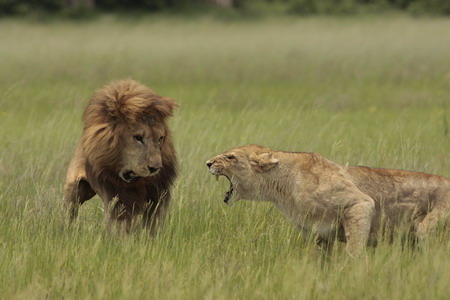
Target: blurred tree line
x,y
301,7
352,6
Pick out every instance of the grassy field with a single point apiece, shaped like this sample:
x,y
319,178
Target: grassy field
x,y
372,91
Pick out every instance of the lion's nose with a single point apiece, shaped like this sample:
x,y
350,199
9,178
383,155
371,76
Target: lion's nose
x,y
209,164
153,170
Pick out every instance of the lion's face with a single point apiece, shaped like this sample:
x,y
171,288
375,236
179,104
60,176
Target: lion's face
x,y
126,132
244,168
140,154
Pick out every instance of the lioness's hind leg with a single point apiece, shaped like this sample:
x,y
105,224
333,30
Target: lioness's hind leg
x,y
439,214
357,221
325,245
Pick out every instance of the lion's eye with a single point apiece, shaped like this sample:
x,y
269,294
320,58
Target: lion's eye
x,y
139,138
230,157
150,118
161,140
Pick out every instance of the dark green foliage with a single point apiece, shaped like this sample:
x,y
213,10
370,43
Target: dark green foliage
x,y
8,7
308,7
324,6
304,7
150,5
300,7
26,6
430,6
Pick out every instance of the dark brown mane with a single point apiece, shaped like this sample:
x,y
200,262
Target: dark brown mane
x,y
108,113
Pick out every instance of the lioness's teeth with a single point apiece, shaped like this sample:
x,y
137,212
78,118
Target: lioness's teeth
x,y
217,177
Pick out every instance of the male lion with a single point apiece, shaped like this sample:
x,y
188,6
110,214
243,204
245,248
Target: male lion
x,y
125,155
334,201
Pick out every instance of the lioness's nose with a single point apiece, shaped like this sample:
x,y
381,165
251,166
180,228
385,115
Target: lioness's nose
x,y
209,164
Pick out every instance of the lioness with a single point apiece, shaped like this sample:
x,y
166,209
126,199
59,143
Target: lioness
x,y
350,203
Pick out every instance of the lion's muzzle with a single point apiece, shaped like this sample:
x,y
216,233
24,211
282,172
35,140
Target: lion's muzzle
x,y
129,176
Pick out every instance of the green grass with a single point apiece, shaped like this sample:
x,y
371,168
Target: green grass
x,y
372,91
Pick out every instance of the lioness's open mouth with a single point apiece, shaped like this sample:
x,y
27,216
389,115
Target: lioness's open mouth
x,y
229,193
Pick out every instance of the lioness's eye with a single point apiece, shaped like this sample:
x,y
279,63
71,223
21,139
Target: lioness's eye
x,y
230,157
161,140
139,138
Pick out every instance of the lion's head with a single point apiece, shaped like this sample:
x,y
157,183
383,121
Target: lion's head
x,y
125,131
245,168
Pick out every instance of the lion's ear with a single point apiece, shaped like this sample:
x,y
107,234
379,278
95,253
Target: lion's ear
x,y
263,162
164,106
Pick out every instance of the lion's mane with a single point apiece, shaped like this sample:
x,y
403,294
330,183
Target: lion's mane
x,y
107,115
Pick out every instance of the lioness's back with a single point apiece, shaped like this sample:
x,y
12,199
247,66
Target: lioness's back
x,y
393,184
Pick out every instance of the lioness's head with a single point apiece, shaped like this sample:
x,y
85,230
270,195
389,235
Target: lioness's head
x,y
244,167
125,130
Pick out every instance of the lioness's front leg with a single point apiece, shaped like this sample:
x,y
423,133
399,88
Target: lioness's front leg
x,y
356,221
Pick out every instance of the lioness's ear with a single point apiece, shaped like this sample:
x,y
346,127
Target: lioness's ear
x,y
263,162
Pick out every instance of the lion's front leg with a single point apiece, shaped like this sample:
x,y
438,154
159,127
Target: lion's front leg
x,y
357,220
71,202
155,213
75,193
76,187
118,217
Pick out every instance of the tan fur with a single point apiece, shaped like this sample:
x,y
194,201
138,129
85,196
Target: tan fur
x,y
125,154
354,204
